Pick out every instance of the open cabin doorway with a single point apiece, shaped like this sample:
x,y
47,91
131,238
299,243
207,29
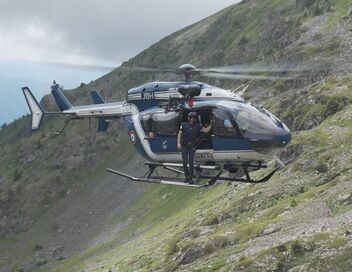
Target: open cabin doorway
x,y
205,119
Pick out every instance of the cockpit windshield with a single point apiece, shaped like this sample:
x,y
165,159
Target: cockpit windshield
x,y
253,120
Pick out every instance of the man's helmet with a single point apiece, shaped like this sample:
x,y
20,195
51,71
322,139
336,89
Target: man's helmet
x,y
192,114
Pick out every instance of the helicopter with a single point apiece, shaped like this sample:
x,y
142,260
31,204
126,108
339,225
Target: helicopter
x,y
244,136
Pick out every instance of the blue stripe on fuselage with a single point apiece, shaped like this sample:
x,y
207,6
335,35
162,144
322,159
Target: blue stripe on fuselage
x,y
222,144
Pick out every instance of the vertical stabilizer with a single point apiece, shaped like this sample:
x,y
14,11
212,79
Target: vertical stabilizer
x,y
96,97
60,99
103,125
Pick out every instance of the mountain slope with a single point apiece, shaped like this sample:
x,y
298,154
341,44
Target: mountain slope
x,y
300,220
57,202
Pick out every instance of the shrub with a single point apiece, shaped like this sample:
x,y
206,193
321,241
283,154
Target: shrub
x,y
293,203
335,104
209,248
282,248
211,220
37,247
40,263
172,247
317,37
321,167
220,241
280,87
243,40
297,248
17,175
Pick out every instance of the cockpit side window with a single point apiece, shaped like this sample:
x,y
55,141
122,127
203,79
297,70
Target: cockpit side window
x,y
223,124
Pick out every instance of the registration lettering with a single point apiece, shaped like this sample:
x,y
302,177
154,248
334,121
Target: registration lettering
x,y
204,156
148,96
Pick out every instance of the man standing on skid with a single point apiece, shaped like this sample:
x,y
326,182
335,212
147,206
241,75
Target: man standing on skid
x,y
186,142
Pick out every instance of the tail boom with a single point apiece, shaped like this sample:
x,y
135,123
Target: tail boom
x,y
101,110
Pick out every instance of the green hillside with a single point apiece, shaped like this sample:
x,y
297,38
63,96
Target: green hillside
x,y
60,210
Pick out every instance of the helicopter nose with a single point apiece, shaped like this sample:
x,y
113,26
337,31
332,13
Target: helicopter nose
x,y
282,140
266,146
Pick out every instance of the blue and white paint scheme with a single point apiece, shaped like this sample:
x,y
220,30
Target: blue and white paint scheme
x,y
242,131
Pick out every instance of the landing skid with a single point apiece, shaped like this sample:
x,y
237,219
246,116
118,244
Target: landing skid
x,y
173,167
157,180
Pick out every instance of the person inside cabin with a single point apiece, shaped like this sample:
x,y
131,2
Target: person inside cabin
x,y
229,126
242,120
204,140
186,143
149,126
151,135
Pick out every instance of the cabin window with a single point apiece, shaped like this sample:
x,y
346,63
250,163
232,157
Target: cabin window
x,y
161,123
223,124
147,123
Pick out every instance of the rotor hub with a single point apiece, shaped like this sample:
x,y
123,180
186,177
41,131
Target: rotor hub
x,y
188,70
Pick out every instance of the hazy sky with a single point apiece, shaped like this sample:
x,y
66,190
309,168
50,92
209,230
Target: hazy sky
x,y
92,32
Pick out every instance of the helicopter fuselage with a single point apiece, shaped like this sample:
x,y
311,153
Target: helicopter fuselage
x,y
241,131
242,138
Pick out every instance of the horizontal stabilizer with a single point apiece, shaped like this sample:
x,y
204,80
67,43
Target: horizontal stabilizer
x,y
60,99
36,110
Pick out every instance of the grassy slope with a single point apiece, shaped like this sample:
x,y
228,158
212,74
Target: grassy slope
x,y
221,227
166,224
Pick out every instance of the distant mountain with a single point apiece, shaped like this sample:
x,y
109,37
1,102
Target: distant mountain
x,y
12,104
60,210
16,74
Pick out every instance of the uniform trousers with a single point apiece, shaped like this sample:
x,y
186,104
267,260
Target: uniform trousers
x,y
188,151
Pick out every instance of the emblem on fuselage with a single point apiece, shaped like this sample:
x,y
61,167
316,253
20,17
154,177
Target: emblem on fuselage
x,y
133,137
164,144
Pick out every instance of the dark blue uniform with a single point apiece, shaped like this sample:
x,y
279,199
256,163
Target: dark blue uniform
x,y
190,133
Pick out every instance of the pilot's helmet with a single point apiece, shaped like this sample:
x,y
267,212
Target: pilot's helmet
x,y
192,114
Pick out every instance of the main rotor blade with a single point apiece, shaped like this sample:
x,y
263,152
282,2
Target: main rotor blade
x,y
255,71
241,76
284,68
146,69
